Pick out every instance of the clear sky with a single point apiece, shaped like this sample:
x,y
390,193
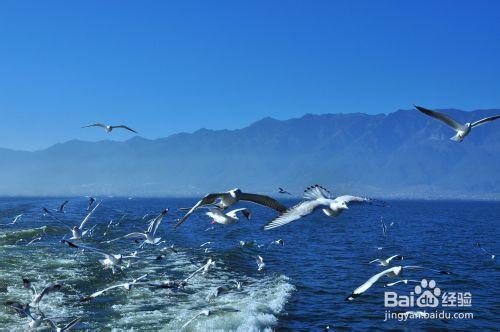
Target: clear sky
x,y
163,67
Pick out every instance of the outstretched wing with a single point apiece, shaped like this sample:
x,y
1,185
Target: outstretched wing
x,y
88,216
246,212
153,227
482,121
50,289
95,125
61,208
81,246
72,323
364,287
263,200
298,211
208,199
125,127
55,218
441,117
315,192
348,199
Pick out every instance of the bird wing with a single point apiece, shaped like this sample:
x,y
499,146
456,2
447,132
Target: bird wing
x,y
441,117
315,192
95,125
125,127
72,323
88,216
61,208
364,287
263,200
393,257
50,289
348,199
99,293
298,211
482,121
246,212
156,222
55,218
375,260
208,199
209,262
81,246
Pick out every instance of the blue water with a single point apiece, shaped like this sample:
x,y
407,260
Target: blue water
x,y
305,282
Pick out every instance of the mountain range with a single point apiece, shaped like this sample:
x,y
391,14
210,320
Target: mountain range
x,y
403,154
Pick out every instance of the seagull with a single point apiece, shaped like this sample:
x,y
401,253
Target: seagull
x,y
384,227
22,309
61,208
16,219
91,201
387,261
110,261
260,263
462,130
77,231
395,271
126,286
37,297
208,312
231,217
149,234
283,191
405,281
279,241
489,253
66,327
110,128
179,284
231,197
315,197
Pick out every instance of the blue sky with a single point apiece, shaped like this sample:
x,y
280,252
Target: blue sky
x,y
163,67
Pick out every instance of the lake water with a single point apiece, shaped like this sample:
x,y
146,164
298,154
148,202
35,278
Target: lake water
x,y
303,286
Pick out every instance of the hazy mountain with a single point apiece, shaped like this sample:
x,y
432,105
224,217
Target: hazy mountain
x,y
403,154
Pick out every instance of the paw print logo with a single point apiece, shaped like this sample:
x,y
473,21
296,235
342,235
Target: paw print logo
x,y
428,294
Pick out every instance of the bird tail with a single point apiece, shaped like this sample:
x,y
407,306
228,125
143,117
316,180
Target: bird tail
x,y
456,138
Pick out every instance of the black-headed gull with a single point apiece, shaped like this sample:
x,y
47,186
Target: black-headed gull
x,y
231,197
66,327
208,312
109,128
62,206
77,231
315,198
484,250
462,130
37,297
126,286
260,263
283,191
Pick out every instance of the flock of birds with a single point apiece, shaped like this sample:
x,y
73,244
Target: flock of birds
x,y
216,208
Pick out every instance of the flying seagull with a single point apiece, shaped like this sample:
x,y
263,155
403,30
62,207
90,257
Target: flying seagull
x,y
231,197
260,263
387,261
37,297
66,327
208,312
109,128
231,217
395,271
110,261
149,234
484,250
77,231
316,197
61,208
16,219
462,130
127,286
283,191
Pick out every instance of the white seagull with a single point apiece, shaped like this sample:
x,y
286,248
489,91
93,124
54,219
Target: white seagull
x,y
77,231
66,327
16,219
231,217
260,263
208,312
109,128
387,261
231,197
395,271
37,297
126,286
315,197
462,130
149,234
110,261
